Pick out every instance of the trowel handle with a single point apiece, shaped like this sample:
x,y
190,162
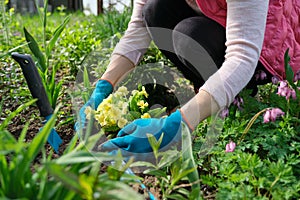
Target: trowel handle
x,y
34,83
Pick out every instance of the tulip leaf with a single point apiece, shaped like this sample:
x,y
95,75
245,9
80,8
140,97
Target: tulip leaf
x,y
87,85
34,47
56,35
45,13
288,69
12,50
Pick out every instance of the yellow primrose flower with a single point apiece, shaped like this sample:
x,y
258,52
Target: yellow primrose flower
x,y
115,112
145,115
143,92
104,106
101,119
123,90
122,122
133,92
88,111
142,104
112,121
124,110
108,100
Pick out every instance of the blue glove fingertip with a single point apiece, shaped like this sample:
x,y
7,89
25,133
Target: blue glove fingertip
x,y
107,146
127,130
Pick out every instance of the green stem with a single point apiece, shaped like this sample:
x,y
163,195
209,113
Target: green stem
x,y
5,24
252,120
274,182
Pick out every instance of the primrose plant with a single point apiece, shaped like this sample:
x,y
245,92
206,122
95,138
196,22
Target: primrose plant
x,y
53,89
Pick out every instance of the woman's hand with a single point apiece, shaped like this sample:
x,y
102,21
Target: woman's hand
x,y
133,137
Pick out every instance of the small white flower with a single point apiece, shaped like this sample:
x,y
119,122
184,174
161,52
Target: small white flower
x,y
122,122
88,112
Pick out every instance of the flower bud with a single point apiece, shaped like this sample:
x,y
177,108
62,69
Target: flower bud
x,y
230,147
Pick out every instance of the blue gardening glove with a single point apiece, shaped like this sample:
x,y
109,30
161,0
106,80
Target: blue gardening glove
x,y
133,139
102,90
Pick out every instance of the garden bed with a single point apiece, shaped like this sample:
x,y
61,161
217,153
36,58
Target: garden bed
x,y
255,154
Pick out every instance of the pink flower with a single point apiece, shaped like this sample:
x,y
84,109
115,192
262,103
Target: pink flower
x,y
267,116
261,75
230,147
272,115
297,76
285,91
275,79
238,101
224,113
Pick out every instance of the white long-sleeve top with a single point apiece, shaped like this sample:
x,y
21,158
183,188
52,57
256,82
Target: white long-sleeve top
x,y
246,22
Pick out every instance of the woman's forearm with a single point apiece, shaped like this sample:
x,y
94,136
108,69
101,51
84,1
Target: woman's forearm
x,y
199,108
117,69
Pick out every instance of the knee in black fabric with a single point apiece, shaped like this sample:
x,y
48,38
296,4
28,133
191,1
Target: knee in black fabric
x,y
166,13
207,33
196,45
154,13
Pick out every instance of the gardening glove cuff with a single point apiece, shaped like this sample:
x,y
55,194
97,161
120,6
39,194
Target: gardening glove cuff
x,y
102,90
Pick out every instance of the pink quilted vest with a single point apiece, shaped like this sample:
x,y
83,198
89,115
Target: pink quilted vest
x,y
282,31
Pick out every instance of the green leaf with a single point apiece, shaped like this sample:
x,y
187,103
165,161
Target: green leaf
x,y
82,156
17,111
38,10
175,197
8,143
72,144
143,164
56,93
193,175
168,157
34,47
155,144
157,112
68,178
114,174
181,174
56,35
45,13
157,173
132,115
117,190
40,139
4,173
12,50
86,84
34,148
23,134
288,70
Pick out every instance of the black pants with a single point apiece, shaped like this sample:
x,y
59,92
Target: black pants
x,y
192,42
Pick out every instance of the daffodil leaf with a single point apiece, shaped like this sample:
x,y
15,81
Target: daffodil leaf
x,y
288,69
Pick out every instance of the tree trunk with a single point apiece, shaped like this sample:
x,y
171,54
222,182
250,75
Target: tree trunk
x,y
100,6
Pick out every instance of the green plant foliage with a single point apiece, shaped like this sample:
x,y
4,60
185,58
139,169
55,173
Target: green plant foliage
x,y
264,165
265,162
76,174
174,168
53,89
